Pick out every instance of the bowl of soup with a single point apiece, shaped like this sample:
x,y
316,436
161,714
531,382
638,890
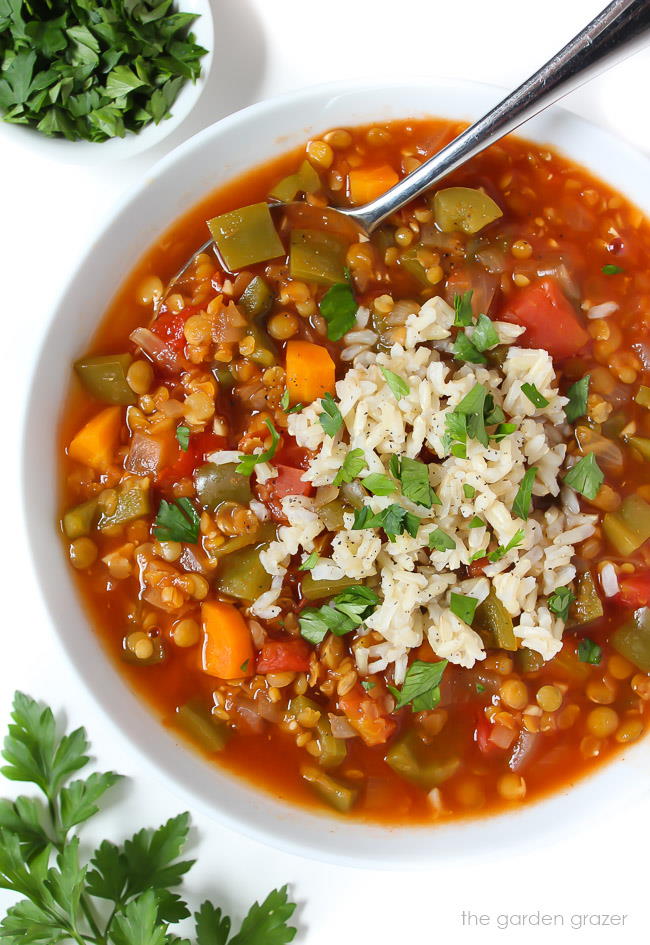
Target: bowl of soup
x,y
361,521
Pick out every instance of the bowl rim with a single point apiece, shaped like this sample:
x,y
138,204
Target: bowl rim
x,y
89,153
260,817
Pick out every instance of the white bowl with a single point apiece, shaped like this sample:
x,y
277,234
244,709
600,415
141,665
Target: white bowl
x,y
176,183
91,153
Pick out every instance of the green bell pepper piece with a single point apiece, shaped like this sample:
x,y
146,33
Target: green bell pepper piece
x,y
528,661
246,236
493,624
80,520
133,501
196,719
216,484
242,574
410,263
104,376
256,299
265,533
420,763
333,751
316,256
465,209
304,181
318,590
339,795
223,376
331,515
587,606
632,640
641,444
629,527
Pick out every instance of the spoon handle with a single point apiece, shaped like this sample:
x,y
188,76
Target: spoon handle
x,y
618,31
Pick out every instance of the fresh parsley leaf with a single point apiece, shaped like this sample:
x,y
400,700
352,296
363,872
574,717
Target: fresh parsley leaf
x,y
480,687
523,499
183,437
421,687
309,562
414,477
503,430
397,384
79,799
362,518
560,601
502,550
139,923
465,350
248,461
468,491
578,395
463,315
455,438
394,520
612,270
368,684
441,541
339,309
177,521
463,607
472,407
476,523
353,464
484,335
585,477
330,418
589,652
532,393
295,409
285,401
379,484
340,615
212,926
266,924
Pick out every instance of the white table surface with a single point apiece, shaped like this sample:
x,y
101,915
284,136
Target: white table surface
x,y
48,213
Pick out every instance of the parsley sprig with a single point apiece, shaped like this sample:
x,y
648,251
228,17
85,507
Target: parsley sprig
x,y
394,519
127,893
177,521
248,461
339,309
421,688
340,615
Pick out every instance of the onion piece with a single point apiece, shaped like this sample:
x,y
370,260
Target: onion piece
x,y
258,633
341,728
523,750
156,349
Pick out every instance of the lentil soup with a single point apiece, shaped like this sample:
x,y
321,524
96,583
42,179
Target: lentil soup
x,y
367,521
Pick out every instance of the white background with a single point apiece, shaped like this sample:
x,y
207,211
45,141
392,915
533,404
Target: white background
x,y
48,213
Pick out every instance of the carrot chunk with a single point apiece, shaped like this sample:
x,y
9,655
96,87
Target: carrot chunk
x,y
310,372
96,442
368,183
227,643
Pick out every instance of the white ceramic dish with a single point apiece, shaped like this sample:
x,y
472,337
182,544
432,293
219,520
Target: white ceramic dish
x,y
177,182
93,153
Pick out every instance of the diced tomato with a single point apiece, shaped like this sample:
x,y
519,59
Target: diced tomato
x,y
491,737
476,568
290,454
279,656
364,714
549,318
186,461
289,482
635,590
169,327
483,729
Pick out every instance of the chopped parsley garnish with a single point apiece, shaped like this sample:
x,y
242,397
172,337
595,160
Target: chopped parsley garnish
x,y
441,541
612,270
455,439
284,400
353,464
560,601
589,652
330,418
480,687
339,309
248,461
464,607
340,615
503,430
421,686
183,437
586,477
469,491
476,523
465,350
485,334
577,394
397,384
502,550
470,416
524,497
379,484
463,314
309,562
394,520
177,521
414,477
533,394
368,684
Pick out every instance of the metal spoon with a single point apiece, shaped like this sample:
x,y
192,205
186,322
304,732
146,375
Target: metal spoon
x,y
619,30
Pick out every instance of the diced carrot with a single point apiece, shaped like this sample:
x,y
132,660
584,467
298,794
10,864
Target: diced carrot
x,y
365,715
368,183
551,322
310,372
96,442
227,644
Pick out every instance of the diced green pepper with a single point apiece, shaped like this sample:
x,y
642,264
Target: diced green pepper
x,y
319,590
496,356
339,795
104,376
629,527
493,624
265,352
156,657
246,236
133,501
587,606
265,533
197,720
632,640
305,181
256,299
641,444
216,484
316,256
410,263
528,661
614,424
332,751
242,574
80,520
642,396
331,515
422,764
464,209
223,376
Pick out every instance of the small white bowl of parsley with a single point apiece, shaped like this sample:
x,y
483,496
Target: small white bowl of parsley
x,y
101,79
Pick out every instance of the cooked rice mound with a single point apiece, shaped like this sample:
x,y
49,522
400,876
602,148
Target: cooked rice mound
x,y
415,582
